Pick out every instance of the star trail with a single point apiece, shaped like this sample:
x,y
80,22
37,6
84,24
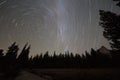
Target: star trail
x,y
53,25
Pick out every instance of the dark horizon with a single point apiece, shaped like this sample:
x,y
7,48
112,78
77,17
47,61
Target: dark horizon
x,y
93,65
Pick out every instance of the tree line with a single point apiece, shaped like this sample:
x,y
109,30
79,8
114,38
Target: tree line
x,y
93,59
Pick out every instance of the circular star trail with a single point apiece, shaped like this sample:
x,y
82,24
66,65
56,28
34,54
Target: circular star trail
x,y
53,25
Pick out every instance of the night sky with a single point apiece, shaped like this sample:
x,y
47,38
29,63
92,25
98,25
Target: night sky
x,y
53,25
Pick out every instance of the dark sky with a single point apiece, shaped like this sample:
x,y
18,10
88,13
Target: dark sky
x,y
53,25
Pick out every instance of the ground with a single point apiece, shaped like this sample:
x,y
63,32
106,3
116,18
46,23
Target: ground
x,y
70,74
66,74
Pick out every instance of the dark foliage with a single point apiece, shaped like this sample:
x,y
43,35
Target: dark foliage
x,y
69,60
22,59
10,65
118,4
111,23
95,59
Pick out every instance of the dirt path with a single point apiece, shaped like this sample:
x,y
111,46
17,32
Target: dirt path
x,y
24,75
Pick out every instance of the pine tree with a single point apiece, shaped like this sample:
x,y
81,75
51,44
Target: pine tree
x,y
23,58
111,23
11,54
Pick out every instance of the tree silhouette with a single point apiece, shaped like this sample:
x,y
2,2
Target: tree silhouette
x,y
1,53
1,59
118,4
9,60
111,23
23,58
12,53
